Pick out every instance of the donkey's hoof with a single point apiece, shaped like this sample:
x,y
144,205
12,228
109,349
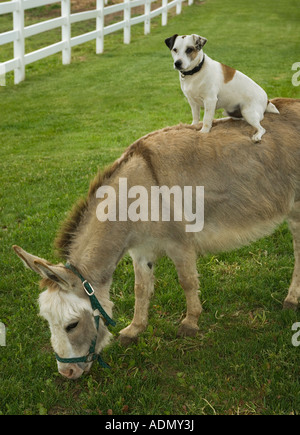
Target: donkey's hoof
x,y
126,341
187,331
287,305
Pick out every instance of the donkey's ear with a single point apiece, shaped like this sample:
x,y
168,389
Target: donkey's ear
x,y
27,259
57,274
170,41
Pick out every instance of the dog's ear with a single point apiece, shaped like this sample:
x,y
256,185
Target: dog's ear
x,y
170,41
199,41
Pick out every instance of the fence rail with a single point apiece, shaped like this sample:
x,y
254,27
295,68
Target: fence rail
x,y
65,21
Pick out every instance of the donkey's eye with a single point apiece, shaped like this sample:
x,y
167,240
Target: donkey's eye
x,y
71,326
189,50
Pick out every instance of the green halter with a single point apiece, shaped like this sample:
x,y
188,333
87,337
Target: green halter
x,y
92,355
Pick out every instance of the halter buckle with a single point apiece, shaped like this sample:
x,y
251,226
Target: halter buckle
x,y
90,358
89,289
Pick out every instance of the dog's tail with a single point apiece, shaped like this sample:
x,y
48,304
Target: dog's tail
x,y
271,108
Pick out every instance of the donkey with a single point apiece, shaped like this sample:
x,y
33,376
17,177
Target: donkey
x,y
248,192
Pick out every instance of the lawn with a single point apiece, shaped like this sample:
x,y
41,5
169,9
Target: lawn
x,y
57,129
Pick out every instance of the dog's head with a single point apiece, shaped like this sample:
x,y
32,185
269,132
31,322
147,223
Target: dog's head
x,y
186,50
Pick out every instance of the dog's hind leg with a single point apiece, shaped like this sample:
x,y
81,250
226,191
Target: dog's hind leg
x,y
254,117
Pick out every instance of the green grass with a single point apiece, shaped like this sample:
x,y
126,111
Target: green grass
x,y
56,129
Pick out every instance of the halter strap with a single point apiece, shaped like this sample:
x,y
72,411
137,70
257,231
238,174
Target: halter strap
x,y
90,357
91,294
96,306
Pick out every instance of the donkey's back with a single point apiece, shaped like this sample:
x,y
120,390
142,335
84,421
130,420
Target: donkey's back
x,y
248,189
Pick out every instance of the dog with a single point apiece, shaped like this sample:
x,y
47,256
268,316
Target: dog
x,y
212,85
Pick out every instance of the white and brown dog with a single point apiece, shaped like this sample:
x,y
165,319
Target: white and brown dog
x,y
212,85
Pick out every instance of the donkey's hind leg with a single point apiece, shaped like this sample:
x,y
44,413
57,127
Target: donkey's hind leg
x,y
188,277
291,301
143,288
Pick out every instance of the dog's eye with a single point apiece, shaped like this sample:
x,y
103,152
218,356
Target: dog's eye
x,y
71,326
189,50
175,50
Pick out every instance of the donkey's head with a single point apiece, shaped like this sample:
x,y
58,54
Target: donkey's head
x,y
77,333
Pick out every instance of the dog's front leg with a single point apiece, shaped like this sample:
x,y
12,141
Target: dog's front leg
x,y
209,112
195,111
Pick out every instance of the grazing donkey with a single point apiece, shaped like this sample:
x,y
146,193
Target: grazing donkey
x,y
248,191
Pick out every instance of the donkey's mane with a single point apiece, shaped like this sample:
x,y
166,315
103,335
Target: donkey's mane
x,y
71,224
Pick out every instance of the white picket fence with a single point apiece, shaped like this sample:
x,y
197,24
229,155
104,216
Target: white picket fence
x,y
20,32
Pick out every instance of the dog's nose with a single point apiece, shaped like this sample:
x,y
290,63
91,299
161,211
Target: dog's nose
x,y
178,64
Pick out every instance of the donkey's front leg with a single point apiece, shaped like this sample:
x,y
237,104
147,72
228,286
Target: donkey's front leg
x,y
291,301
144,287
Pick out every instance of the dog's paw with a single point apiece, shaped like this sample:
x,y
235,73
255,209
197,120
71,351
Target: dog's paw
x,y
256,138
205,130
206,127
258,135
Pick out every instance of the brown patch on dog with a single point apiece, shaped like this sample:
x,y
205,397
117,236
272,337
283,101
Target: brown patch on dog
x,y
193,54
228,73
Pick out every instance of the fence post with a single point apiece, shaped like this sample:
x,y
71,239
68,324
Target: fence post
x,y
190,2
164,15
100,26
127,16
147,10
2,334
66,31
2,75
178,7
19,44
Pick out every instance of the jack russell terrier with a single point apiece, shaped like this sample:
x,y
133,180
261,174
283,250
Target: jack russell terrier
x,y
212,85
